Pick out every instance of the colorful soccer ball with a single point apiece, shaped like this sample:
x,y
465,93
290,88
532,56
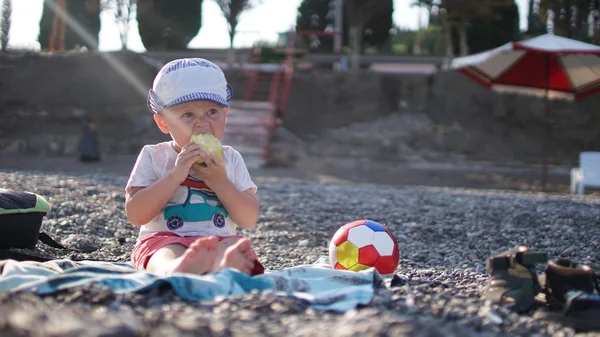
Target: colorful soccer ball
x,y
363,244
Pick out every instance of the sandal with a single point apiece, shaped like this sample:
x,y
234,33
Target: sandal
x,y
513,281
573,291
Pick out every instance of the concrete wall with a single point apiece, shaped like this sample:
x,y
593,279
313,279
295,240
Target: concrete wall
x,y
498,125
43,101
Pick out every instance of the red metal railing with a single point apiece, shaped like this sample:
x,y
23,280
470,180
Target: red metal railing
x,y
254,75
288,72
279,89
280,92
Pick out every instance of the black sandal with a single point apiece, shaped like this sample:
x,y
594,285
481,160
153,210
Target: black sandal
x,y
513,280
573,293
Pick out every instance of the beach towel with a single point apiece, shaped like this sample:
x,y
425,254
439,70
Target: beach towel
x,y
318,284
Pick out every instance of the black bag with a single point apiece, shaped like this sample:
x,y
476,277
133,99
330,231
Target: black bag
x,y
21,215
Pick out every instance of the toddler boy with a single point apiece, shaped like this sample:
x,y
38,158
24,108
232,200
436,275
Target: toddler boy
x,y
188,212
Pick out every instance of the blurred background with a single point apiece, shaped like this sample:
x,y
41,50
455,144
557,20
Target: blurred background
x,y
354,89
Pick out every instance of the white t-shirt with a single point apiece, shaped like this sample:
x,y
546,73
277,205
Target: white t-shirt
x,y
194,209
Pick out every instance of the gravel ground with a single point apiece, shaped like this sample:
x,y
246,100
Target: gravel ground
x,y
445,235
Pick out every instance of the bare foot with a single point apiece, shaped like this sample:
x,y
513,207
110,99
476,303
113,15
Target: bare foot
x,y
239,256
199,258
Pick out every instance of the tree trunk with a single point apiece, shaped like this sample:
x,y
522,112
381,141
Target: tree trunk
x,y
448,38
6,13
124,32
462,34
595,11
569,19
124,41
531,17
355,57
231,53
357,37
128,10
355,33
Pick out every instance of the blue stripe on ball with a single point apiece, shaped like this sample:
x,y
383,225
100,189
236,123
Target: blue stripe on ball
x,y
375,226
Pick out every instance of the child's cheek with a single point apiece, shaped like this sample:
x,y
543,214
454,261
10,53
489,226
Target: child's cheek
x,y
185,122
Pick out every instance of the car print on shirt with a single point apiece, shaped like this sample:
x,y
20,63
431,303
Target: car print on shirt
x,y
197,207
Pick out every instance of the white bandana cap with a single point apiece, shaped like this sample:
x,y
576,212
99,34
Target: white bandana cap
x,y
186,80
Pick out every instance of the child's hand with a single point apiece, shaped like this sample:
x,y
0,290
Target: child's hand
x,y
212,171
189,154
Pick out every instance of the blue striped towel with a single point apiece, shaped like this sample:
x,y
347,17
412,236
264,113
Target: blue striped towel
x,y
320,286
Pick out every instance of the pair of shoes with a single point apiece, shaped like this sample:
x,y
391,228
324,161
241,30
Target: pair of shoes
x,y
513,280
572,293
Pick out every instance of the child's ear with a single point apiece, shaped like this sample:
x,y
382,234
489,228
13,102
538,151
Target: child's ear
x,y
160,122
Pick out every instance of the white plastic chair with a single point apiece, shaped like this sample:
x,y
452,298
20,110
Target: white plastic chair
x,y
587,174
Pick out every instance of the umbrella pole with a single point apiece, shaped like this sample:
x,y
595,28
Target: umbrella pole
x,y
545,121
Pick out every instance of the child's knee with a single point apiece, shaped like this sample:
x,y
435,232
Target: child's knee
x,y
171,251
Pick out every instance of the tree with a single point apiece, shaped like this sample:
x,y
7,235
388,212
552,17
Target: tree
x,y
492,32
570,17
164,26
434,8
593,23
360,13
316,15
534,21
232,9
45,26
5,14
85,12
457,15
123,11
313,16
428,4
431,41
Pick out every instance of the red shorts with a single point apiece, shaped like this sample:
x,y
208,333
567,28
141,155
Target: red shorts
x,y
146,247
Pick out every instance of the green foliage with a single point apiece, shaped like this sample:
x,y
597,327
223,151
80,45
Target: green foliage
x,y
495,26
571,16
402,42
436,18
474,25
313,16
487,34
377,30
85,12
430,40
467,10
163,26
534,22
45,26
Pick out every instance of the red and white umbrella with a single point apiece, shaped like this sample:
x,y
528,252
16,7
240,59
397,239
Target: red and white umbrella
x,y
550,66
567,68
